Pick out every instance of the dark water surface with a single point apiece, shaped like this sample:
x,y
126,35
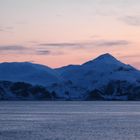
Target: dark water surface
x,y
43,120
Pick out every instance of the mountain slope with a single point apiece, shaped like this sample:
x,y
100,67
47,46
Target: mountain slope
x,y
100,70
28,72
97,73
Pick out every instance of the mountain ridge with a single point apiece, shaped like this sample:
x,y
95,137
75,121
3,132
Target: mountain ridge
x,y
104,77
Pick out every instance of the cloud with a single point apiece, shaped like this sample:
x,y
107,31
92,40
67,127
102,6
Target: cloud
x,y
43,52
112,43
6,28
17,49
131,56
54,48
12,48
131,20
66,45
48,52
86,44
62,44
1,30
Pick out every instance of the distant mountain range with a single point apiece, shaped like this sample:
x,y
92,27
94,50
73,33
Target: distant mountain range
x,y
103,78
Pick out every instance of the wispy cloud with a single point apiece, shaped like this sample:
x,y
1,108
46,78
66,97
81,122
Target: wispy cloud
x,y
131,20
85,44
60,48
62,44
16,49
112,43
12,48
131,56
48,52
1,30
6,28
43,52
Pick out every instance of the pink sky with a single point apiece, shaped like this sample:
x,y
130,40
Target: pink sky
x,y
61,32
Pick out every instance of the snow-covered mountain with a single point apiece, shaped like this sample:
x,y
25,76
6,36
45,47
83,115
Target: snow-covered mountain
x,y
28,72
103,78
97,73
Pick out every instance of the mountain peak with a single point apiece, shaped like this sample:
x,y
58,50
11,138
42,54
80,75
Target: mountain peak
x,y
104,59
